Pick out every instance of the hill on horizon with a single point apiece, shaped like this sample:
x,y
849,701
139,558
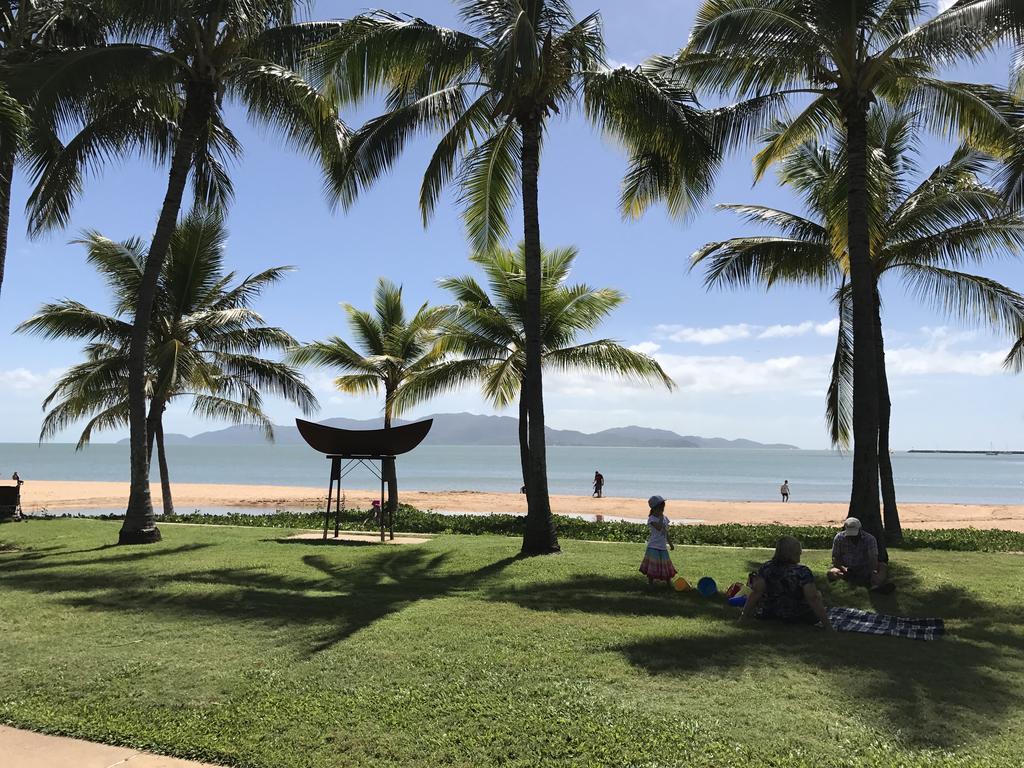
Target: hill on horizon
x,y
479,429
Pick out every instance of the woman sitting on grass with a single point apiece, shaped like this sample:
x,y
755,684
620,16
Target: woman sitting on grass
x,y
657,565
784,590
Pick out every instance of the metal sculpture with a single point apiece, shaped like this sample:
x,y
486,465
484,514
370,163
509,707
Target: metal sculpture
x,y
360,447
10,500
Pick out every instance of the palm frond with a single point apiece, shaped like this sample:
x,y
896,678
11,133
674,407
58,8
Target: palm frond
x,y
489,182
839,398
608,357
967,298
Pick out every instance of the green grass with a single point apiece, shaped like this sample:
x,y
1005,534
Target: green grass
x,y
228,645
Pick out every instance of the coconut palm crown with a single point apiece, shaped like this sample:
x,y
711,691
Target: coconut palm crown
x,y
486,334
206,343
390,349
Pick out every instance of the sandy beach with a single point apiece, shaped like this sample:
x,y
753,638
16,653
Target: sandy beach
x,y
56,496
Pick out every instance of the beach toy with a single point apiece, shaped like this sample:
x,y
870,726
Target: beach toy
x,y
680,584
733,589
738,601
707,587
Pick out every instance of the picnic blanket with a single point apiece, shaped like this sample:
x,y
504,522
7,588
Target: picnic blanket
x,y
855,620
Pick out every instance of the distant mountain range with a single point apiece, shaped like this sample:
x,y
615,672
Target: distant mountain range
x,y
474,429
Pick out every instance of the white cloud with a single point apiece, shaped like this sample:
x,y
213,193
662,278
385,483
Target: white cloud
x,y
738,331
828,328
22,380
714,374
938,351
924,361
945,5
646,347
706,336
786,331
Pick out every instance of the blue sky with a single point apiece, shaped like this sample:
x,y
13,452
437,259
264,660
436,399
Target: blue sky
x,y
748,364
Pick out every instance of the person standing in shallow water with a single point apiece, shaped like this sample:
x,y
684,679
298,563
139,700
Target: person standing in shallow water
x,y
657,565
598,484
784,490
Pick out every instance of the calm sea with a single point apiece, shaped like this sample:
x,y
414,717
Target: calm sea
x,y
681,473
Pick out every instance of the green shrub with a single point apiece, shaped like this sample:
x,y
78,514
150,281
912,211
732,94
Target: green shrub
x,y
412,520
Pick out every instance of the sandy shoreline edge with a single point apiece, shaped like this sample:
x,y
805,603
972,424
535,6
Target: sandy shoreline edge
x,y
60,495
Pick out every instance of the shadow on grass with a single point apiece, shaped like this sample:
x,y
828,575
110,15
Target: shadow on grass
x,y
29,560
340,599
322,543
939,694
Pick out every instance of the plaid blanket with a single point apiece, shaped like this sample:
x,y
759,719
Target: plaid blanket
x,y
854,620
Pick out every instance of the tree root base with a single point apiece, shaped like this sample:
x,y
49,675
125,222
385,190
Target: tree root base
x,y
145,536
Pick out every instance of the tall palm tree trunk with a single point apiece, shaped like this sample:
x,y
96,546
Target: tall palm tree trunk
x,y
139,523
890,513
165,477
524,437
151,421
388,470
864,492
7,158
540,537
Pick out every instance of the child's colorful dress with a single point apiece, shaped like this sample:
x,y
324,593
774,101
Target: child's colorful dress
x,y
657,565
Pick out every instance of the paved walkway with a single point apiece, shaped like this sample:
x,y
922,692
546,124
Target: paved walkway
x,y
25,749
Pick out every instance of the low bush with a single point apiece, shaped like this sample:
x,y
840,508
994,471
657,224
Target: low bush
x,y
412,520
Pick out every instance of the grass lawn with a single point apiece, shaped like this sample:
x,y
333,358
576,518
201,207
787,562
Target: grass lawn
x,y
226,644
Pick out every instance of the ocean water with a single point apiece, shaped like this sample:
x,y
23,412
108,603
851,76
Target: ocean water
x,y
680,473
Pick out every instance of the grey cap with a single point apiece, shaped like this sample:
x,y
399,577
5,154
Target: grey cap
x,y
655,501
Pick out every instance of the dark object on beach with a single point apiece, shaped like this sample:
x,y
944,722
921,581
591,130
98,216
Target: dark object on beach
x,y
363,443
10,502
357,448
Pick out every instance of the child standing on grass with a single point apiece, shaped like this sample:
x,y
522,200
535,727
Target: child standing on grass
x,y
657,565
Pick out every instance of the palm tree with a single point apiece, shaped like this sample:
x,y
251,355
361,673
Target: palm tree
x,y
392,351
161,92
490,91
925,235
842,56
487,334
31,30
206,344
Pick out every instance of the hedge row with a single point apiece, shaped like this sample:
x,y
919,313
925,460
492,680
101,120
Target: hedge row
x,y
412,520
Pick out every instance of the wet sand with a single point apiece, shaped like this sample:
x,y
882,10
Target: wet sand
x,y
57,496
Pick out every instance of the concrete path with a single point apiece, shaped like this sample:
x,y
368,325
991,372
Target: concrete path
x,y
25,749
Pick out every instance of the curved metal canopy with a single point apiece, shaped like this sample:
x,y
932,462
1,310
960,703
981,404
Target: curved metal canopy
x,y
363,443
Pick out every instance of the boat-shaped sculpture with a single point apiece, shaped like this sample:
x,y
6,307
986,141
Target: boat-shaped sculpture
x,y
363,443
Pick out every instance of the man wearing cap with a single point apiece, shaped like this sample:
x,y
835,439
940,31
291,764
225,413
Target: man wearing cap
x,y
855,559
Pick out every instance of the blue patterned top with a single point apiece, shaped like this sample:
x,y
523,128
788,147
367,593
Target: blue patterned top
x,y
784,595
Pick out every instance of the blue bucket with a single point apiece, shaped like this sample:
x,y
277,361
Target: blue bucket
x,y
707,587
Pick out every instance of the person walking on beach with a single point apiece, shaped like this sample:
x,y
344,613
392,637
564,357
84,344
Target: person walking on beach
x,y
855,559
657,565
598,484
784,490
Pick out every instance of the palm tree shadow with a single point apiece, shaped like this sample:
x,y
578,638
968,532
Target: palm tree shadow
x,y
338,599
937,694
322,543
